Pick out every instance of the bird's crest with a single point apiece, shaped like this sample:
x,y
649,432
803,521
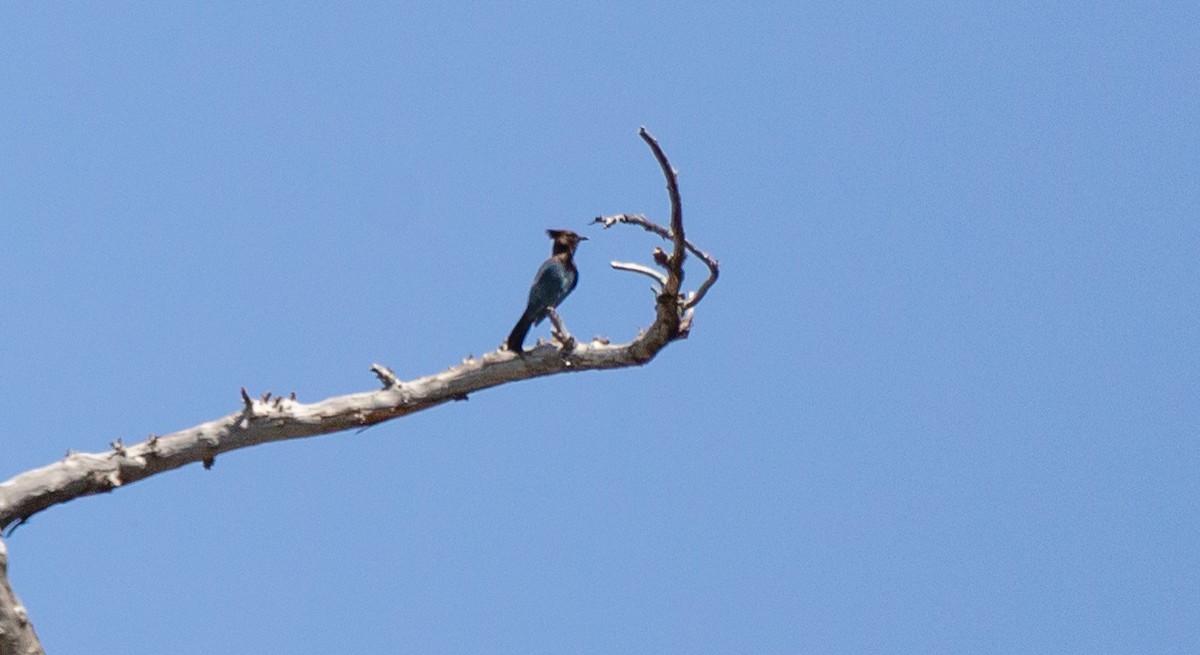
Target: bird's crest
x,y
565,241
565,235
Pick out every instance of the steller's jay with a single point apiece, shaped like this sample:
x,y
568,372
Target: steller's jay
x,y
553,283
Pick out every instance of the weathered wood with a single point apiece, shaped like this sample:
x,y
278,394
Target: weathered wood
x,y
16,632
263,420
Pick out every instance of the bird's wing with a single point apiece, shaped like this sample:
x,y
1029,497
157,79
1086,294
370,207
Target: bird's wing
x,y
550,285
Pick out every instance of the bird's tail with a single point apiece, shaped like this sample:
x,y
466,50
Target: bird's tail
x,y
516,338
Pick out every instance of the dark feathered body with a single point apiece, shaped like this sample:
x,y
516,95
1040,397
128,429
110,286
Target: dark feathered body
x,y
555,280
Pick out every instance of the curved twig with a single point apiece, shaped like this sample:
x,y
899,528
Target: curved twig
x,y
644,270
676,262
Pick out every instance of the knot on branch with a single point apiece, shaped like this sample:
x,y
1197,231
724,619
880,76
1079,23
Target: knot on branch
x,y
106,480
152,446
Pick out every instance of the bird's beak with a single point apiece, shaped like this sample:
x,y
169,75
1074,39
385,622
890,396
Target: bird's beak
x,y
582,238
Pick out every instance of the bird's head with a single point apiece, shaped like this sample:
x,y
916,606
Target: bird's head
x,y
565,240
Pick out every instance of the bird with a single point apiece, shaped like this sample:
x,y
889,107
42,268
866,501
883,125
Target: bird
x,y
554,281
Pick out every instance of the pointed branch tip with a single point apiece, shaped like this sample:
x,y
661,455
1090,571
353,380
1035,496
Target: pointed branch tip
x,y
386,376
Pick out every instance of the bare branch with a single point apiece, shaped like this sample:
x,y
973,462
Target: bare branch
x,y
634,219
16,632
84,474
674,317
385,375
676,208
713,272
650,226
560,330
644,270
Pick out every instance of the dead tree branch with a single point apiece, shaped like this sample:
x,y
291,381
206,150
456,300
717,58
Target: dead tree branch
x,y
560,331
16,632
266,419
644,270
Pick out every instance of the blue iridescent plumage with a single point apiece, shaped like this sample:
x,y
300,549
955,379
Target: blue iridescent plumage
x,y
554,281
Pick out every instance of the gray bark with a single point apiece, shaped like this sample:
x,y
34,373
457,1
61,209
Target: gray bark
x,y
16,632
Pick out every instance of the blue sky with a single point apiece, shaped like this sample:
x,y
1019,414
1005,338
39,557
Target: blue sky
x,y
943,399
